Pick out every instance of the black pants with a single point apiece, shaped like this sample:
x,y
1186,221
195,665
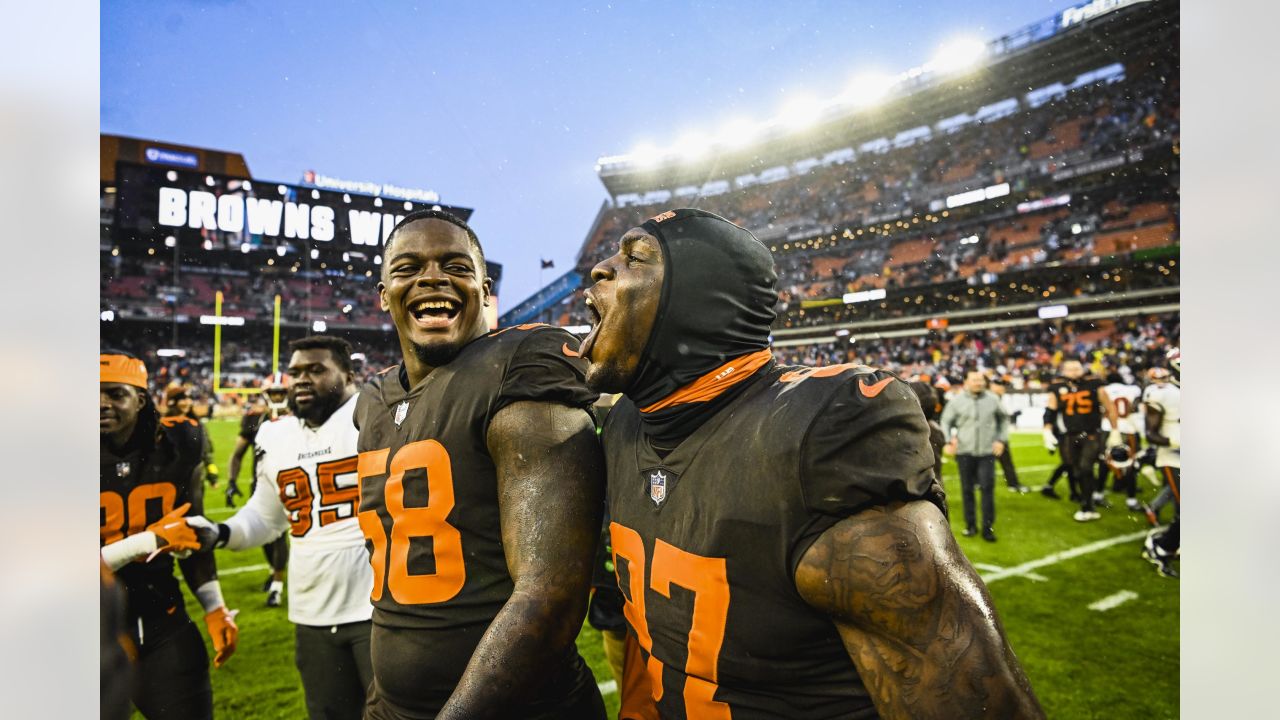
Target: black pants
x,y
277,552
1080,452
333,661
1006,466
980,471
172,678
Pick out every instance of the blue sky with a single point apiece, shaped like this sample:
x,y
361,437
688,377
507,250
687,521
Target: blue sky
x,y
502,107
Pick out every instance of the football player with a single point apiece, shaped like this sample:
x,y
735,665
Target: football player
x,y
778,533
481,494
276,406
1081,401
1127,398
1162,403
177,403
150,474
305,484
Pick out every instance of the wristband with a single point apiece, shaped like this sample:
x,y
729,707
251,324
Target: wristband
x,y
210,596
136,546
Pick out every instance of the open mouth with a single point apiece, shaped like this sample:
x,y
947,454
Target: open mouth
x,y
589,341
435,314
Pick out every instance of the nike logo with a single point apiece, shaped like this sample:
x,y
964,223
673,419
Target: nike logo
x,y
567,352
870,391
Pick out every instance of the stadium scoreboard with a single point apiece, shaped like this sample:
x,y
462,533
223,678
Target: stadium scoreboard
x,y
226,212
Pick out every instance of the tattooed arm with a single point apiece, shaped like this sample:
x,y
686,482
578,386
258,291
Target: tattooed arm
x,y
550,493
914,616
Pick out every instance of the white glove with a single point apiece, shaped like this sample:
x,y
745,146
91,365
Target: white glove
x,y
206,531
1050,440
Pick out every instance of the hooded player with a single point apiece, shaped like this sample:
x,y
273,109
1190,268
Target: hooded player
x,y
777,531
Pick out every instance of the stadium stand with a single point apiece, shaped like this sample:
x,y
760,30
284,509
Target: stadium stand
x,y
1076,184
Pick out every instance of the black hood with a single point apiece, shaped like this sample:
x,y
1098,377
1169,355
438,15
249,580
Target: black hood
x,y
718,295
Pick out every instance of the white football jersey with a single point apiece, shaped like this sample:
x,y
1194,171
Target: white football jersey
x,y
1169,399
1127,399
306,483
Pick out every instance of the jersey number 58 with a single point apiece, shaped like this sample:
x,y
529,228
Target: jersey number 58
x,y
391,564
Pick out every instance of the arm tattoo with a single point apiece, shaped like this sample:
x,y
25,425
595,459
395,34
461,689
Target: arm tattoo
x,y
550,487
914,616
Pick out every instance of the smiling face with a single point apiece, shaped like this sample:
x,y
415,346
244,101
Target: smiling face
x,y
434,286
624,302
118,408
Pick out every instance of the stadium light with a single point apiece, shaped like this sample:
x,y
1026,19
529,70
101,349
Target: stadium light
x,y
170,241
864,296
107,316
207,244
245,248
221,320
281,250
315,254
800,113
867,89
644,155
1049,312
408,206
957,55
738,132
319,326
377,259
690,146
282,190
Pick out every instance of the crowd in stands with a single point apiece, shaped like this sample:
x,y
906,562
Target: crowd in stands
x,y
147,287
828,231
1025,357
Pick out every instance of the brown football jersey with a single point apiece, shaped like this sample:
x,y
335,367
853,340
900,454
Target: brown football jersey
x,y
138,485
706,540
429,510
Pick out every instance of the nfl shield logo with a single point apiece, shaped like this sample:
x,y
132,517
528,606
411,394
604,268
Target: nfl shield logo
x,y
123,469
402,410
657,487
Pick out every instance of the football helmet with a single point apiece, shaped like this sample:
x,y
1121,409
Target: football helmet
x,y
1158,375
1119,457
275,388
1174,356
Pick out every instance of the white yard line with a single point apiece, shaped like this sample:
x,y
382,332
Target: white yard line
x,y
244,569
987,567
1055,558
1115,600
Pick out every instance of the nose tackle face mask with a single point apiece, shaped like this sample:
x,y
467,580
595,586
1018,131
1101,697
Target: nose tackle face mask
x,y
718,295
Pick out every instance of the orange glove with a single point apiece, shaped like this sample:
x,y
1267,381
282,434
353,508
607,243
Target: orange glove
x,y
224,633
173,534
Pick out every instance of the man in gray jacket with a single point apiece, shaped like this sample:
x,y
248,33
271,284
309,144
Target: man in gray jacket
x,y
978,430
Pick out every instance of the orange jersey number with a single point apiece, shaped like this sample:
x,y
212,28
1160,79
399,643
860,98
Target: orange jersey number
x,y
111,505
1079,402
708,579
296,494
391,560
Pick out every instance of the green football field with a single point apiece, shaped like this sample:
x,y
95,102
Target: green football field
x,y
1095,627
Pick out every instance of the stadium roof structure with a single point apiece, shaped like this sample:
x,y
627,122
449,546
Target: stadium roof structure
x,y
1058,49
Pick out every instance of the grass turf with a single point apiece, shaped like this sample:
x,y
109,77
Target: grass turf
x,y
1118,663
